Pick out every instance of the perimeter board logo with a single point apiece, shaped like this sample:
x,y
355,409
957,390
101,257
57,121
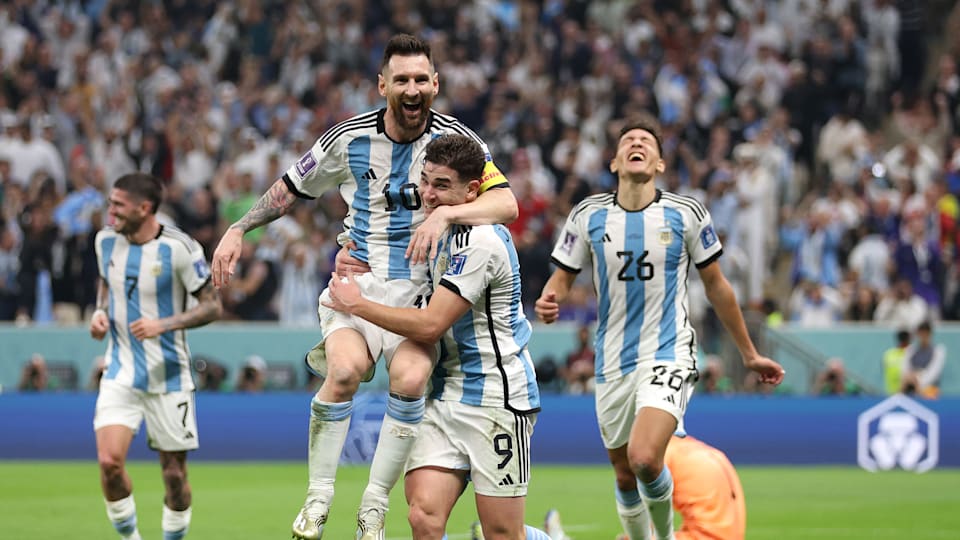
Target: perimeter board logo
x,y
898,432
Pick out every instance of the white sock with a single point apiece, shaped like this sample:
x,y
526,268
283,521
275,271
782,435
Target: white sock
x,y
399,430
633,514
329,423
123,515
175,523
659,498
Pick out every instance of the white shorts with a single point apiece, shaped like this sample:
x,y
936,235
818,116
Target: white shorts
x,y
493,444
667,386
171,418
393,292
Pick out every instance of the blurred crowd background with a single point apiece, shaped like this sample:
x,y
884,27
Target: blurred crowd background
x,y
823,136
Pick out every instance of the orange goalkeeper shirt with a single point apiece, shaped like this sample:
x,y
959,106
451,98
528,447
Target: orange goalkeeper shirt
x,y
706,492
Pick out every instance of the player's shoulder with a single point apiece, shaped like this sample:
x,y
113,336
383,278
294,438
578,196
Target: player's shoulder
x,y
361,124
593,203
445,123
684,203
105,233
178,239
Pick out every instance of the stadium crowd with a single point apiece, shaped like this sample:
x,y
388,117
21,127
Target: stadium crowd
x,y
823,135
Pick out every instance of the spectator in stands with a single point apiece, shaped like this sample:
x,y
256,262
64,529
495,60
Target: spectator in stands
x,y
9,268
249,295
33,377
832,380
814,304
713,380
211,374
96,373
578,369
252,375
923,364
900,307
893,359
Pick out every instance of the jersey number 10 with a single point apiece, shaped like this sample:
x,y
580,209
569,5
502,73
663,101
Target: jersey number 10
x,y
407,194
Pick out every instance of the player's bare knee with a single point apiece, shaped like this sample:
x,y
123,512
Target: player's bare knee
x,y
343,379
111,465
424,523
408,384
645,463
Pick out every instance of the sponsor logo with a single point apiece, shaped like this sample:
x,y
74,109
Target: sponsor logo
x,y
306,164
898,432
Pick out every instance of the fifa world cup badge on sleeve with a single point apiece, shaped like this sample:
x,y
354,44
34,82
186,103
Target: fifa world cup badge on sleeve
x,y
306,163
708,236
569,239
202,269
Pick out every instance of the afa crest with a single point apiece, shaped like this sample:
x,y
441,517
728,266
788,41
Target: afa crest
x,y
665,236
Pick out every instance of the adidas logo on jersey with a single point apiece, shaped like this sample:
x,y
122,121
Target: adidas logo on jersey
x,y
369,175
669,399
507,481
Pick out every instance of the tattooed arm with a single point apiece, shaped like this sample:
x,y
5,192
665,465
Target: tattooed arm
x,y
207,310
273,204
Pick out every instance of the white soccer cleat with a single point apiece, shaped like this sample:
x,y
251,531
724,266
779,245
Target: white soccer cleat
x,y
370,524
551,526
309,522
316,361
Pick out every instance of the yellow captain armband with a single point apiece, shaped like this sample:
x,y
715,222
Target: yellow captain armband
x,y
491,177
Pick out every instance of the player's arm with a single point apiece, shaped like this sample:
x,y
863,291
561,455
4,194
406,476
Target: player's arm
x,y
100,321
724,302
208,309
273,204
423,325
547,307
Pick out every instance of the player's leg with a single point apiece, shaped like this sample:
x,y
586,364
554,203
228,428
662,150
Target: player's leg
x,y
651,433
348,358
633,513
118,415
172,426
431,493
410,365
616,411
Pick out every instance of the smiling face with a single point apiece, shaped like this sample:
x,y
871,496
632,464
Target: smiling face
x,y
127,212
442,186
410,84
638,156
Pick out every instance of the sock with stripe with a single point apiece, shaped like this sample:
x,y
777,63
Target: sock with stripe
x,y
123,516
399,430
659,498
633,514
329,423
175,523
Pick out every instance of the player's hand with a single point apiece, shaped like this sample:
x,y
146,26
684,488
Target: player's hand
x,y
226,255
423,243
546,307
770,372
99,324
146,328
344,293
346,264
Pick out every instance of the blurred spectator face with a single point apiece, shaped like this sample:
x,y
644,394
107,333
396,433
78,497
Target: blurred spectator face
x,y
903,289
410,85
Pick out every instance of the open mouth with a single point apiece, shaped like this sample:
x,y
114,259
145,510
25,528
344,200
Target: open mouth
x,y
411,107
636,156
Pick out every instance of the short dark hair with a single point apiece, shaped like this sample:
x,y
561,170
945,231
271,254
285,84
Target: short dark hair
x,y
646,122
142,186
460,153
405,45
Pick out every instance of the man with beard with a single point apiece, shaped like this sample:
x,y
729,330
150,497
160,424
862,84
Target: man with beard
x,y
375,159
147,270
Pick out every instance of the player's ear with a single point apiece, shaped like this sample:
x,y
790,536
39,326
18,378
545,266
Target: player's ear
x,y
613,165
436,83
382,85
473,189
661,166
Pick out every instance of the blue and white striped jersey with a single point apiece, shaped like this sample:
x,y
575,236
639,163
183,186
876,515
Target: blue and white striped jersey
x,y
484,359
152,280
640,264
378,179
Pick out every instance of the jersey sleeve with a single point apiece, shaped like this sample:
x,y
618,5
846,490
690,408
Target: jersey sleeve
x,y
492,177
191,266
702,241
318,170
572,249
467,271
98,248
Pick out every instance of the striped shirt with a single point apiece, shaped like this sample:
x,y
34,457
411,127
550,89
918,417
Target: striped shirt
x,y
378,179
152,280
640,264
484,359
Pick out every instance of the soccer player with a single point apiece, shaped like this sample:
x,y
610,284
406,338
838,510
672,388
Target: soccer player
x,y
641,242
147,272
484,397
375,159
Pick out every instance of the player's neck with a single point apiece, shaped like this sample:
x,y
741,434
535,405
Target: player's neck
x,y
398,134
147,232
634,196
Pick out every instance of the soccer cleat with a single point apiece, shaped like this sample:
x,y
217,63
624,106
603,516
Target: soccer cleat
x,y
316,361
551,526
476,531
370,524
309,522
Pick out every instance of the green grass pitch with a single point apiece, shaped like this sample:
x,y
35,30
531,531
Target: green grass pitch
x,y
259,501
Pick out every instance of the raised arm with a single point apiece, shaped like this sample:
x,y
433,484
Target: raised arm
x,y
425,325
273,204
